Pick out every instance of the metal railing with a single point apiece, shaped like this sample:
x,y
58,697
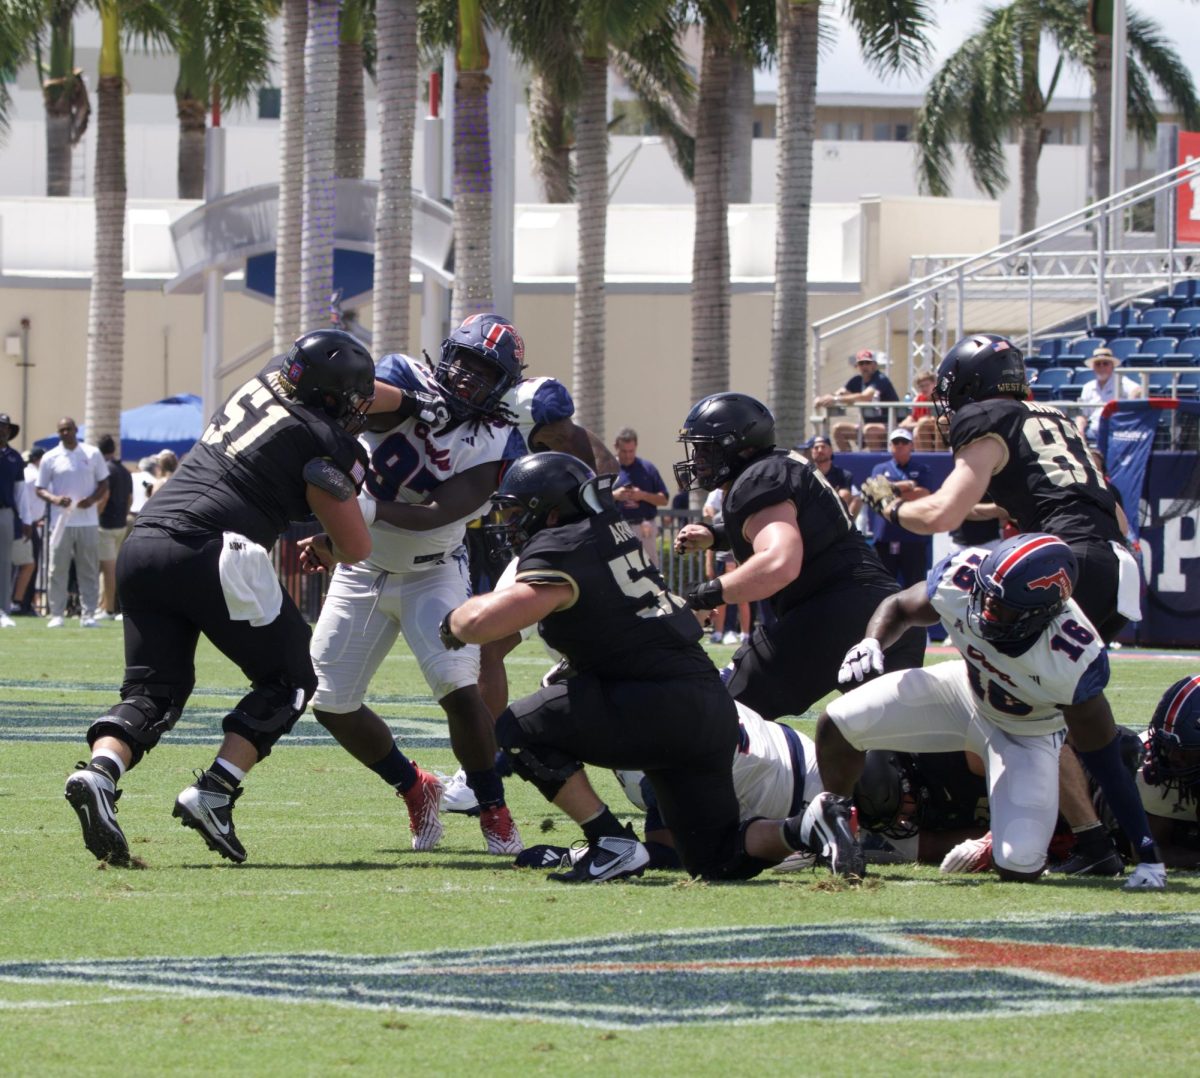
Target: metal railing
x,y
1065,269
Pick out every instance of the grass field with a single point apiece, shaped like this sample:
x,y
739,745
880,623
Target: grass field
x,y
335,948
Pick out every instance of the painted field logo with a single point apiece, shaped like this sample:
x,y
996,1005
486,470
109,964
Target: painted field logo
x,y
880,971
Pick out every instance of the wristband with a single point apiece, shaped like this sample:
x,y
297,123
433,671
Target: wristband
x,y
894,513
707,596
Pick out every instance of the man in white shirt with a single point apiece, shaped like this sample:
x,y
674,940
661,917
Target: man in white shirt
x,y
72,478
1106,386
27,550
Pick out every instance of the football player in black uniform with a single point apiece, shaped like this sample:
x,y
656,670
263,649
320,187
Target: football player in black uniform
x,y
641,694
796,546
277,450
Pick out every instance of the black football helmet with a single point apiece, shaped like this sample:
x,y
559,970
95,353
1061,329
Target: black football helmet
x,y
331,371
532,488
977,368
716,433
1173,750
473,394
887,795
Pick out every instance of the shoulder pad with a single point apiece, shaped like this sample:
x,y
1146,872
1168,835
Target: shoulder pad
x,y
766,481
323,473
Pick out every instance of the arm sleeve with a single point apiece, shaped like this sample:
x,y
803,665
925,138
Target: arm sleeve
x,y
1093,681
397,370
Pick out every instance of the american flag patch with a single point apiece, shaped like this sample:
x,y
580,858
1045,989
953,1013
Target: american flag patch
x,y
358,473
295,371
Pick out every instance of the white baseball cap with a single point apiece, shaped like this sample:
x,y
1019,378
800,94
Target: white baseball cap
x,y
901,433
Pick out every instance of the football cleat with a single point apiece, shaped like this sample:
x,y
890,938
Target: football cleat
x,y
543,856
1148,876
422,801
500,831
1106,863
828,831
207,808
457,796
796,862
970,855
93,796
609,858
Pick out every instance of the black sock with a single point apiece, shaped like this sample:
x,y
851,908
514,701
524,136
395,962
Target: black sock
x,y
503,764
1093,839
396,769
487,788
790,830
106,767
662,856
223,776
601,825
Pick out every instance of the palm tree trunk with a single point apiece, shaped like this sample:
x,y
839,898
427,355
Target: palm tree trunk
x,y
290,213
396,77
472,185
710,252
741,127
190,162
548,140
795,121
57,96
591,160
106,302
1101,115
320,136
1033,104
351,101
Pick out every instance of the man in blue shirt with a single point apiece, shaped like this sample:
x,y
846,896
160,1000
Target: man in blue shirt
x,y
868,385
904,555
12,484
639,492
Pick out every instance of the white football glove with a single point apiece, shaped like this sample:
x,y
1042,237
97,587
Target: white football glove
x,y
1148,876
972,855
861,661
367,504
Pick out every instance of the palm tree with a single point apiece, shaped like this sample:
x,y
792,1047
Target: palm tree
x,y
320,137
106,301
224,56
64,95
892,37
19,24
991,83
290,214
351,150
396,67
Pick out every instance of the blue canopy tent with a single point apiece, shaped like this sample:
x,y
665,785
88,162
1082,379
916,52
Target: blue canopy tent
x,y
174,423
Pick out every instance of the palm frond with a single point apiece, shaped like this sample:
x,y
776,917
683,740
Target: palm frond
x,y
668,112
20,22
1140,109
892,33
1156,55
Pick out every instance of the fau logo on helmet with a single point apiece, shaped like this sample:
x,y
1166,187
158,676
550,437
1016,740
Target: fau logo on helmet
x,y
1058,579
496,333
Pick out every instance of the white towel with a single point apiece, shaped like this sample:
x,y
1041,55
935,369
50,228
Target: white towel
x,y
1129,584
252,591
60,526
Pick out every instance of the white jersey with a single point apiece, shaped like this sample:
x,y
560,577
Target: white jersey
x,y
1022,695
410,461
534,402
774,768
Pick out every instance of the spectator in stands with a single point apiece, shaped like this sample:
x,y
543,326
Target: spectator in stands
x,y
639,492
1106,386
868,385
819,451
926,436
904,555
114,525
27,552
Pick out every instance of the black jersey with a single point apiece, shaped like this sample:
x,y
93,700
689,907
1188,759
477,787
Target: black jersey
x,y
951,795
835,555
245,474
1047,481
624,624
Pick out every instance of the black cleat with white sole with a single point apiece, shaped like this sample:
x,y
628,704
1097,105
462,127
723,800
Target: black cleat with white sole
x,y
93,796
826,830
609,858
207,808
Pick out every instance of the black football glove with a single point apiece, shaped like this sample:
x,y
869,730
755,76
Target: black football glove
x,y
707,596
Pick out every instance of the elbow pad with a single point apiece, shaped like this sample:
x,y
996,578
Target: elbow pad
x,y
322,473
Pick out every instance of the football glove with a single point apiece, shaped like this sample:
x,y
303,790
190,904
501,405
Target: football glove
x,y
972,855
861,661
879,494
706,596
427,407
1148,876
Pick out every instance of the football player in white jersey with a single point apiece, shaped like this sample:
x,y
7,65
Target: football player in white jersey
x,y
1031,665
1169,780
435,461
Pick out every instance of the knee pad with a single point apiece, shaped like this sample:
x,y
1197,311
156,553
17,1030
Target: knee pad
x,y
138,721
268,712
1021,848
544,766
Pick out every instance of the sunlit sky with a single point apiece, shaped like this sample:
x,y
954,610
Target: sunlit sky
x,y
842,69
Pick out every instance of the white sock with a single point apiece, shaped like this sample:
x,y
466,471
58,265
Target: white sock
x,y
112,757
233,769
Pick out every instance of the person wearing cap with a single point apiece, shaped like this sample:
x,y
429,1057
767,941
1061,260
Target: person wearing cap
x,y
1106,386
819,450
904,555
27,552
13,525
868,385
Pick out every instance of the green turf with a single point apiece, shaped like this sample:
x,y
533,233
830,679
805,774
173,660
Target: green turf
x,y
331,871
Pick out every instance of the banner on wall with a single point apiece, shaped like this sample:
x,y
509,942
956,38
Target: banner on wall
x,y
1187,216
